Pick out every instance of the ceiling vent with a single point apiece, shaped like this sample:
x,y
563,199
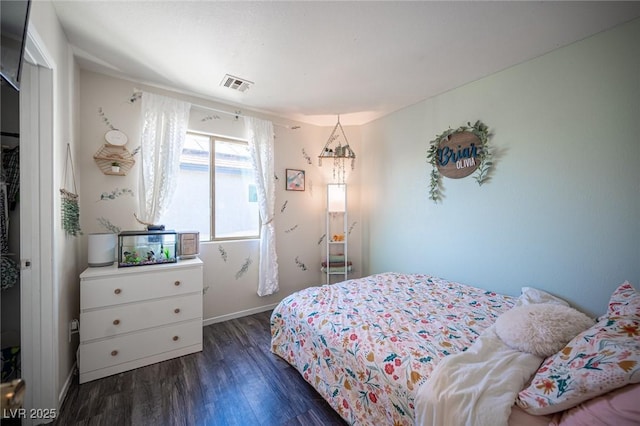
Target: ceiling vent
x,y
236,83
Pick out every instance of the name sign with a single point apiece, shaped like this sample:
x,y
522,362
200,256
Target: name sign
x,y
457,156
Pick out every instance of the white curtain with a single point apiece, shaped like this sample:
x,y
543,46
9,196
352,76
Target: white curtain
x,y
164,129
261,146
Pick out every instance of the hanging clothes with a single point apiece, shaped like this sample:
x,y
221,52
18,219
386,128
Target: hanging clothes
x,y
9,271
4,219
9,190
11,174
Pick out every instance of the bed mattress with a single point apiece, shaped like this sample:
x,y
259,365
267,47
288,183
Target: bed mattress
x,y
367,344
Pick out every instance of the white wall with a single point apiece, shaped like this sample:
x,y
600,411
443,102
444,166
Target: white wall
x,y
299,215
561,209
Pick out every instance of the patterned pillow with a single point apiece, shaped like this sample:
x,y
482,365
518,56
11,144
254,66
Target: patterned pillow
x,y
600,359
625,300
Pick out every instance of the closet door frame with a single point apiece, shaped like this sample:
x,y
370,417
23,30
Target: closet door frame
x,y
39,309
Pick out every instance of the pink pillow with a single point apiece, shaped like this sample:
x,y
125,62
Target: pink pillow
x,y
625,301
620,407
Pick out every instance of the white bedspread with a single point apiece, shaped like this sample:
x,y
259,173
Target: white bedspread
x,y
477,387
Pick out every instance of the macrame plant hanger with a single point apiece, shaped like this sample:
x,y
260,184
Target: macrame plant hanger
x,y
70,207
339,153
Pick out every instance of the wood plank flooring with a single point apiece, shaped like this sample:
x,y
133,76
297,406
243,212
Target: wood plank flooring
x,y
235,380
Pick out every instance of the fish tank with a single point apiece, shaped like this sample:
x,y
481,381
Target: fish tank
x,y
138,248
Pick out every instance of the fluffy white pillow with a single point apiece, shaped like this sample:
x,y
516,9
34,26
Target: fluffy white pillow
x,y
541,329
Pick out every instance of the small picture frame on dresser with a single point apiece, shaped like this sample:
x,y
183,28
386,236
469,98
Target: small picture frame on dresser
x,y
188,244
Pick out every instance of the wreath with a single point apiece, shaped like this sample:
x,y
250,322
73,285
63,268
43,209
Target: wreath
x,y
481,131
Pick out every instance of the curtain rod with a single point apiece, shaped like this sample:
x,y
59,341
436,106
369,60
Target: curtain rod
x,y
238,114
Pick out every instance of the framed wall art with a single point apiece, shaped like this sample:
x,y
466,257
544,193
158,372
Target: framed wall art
x,y
295,180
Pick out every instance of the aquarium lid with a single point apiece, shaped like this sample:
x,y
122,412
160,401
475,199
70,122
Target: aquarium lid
x,y
128,233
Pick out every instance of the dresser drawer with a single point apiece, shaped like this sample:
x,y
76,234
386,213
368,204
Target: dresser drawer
x,y
100,323
129,347
97,292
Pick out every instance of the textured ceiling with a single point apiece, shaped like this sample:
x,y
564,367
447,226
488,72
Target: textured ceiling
x,y
313,60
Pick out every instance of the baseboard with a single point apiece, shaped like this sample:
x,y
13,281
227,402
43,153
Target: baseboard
x,y
238,314
67,385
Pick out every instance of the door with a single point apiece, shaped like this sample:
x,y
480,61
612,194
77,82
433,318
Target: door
x,y
38,309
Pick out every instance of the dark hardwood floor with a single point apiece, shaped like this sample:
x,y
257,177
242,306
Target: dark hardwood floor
x,y
235,380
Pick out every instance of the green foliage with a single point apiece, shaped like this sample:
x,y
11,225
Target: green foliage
x,y
108,225
245,267
115,194
484,157
105,120
70,213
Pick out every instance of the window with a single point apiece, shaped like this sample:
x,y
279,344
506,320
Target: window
x,y
224,201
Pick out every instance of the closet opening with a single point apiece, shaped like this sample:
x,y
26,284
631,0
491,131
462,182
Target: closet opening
x,y
10,234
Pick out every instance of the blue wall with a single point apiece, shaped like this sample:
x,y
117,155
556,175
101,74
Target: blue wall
x,y
561,211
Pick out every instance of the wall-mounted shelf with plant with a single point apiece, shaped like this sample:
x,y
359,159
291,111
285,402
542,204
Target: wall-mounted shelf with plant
x,y
113,158
337,149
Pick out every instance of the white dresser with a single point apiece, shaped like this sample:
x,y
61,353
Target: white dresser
x,y
136,316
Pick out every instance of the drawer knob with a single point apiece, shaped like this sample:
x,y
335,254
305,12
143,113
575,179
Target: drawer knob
x,y
117,291
114,353
177,283
176,311
116,322
175,338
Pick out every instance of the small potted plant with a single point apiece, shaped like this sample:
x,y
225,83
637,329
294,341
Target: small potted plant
x,y
115,167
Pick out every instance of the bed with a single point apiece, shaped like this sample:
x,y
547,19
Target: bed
x,y
368,344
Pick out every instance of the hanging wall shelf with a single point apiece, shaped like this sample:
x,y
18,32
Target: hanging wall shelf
x,y
337,149
337,145
113,158
109,154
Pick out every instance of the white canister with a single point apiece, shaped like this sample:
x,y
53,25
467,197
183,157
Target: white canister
x,y
102,249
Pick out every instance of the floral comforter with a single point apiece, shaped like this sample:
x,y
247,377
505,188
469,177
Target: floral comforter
x,y
367,344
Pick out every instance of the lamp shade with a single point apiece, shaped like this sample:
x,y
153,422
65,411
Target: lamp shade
x,y
337,197
102,249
